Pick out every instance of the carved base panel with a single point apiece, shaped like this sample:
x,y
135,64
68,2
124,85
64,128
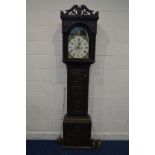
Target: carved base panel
x,y
77,132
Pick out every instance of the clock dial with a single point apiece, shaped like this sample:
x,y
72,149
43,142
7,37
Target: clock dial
x,y
78,44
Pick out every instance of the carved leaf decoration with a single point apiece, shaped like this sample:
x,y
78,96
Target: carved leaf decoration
x,y
79,10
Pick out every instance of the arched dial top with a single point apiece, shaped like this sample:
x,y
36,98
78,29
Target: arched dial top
x,y
78,43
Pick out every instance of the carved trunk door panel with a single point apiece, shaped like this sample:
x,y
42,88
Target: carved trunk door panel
x,y
77,92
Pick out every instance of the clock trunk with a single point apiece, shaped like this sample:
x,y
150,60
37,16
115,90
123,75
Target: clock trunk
x,y
77,89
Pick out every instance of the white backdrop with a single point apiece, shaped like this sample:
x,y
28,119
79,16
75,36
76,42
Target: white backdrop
x,y
46,74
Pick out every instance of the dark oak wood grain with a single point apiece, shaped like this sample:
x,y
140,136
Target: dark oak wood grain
x,y
77,122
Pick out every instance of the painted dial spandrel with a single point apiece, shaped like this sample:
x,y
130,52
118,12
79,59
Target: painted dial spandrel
x,y
78,44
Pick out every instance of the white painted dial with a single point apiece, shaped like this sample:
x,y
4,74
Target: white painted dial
x,y
78,47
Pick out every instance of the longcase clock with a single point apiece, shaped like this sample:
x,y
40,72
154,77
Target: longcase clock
x,y
79,28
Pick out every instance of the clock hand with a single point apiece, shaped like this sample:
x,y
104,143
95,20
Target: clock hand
x,y
77,45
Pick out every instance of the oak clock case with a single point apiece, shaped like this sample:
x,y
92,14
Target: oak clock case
x,y
79,27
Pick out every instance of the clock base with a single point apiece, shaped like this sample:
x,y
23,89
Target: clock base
x,y
77,132
76,147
